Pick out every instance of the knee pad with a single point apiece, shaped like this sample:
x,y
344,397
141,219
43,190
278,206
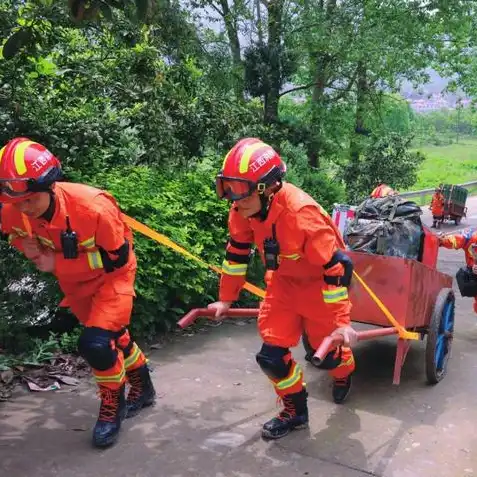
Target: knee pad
x,y
270,359
94,345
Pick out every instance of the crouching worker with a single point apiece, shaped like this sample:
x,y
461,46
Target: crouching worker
x,y
307,275
466,276
381,191
76,232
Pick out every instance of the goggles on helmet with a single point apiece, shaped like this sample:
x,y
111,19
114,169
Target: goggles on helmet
x,y
233,188
15,187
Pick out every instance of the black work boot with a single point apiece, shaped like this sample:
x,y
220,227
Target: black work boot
x,y
111,413
293,416
341,389
142,393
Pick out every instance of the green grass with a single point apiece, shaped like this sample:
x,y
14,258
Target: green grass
x,y
451,164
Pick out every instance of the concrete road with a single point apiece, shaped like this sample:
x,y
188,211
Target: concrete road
x,y
213,400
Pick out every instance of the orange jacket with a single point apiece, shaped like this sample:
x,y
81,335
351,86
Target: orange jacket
x,y
467,241
381,191
95,217
307,236
437,204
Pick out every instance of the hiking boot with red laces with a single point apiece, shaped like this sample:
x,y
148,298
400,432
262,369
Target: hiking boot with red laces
x,y
142,393
341,389
111,413
293,416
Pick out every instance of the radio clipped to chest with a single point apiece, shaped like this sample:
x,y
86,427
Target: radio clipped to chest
x,y
69,242
271,251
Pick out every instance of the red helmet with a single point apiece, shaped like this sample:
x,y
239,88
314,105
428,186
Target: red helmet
x,y
26,167
250,165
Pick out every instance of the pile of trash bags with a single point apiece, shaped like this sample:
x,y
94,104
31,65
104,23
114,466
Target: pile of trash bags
x,y
387,226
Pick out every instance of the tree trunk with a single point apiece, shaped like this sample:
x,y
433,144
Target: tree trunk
x,y
259,22
320,62
361,91
234,44
275,12
317,108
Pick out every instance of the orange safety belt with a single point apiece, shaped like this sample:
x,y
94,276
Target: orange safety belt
x,y
162,239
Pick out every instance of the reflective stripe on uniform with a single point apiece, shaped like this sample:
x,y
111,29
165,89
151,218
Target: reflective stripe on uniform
x,y
114,378
290,381
49,243
134,356
20,232
293,256
452,240
88,243
94,260
336,295
234,269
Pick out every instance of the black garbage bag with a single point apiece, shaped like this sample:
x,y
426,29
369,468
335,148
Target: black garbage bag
x,y
387,208
388,226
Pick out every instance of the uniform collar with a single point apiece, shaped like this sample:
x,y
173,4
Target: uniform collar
x,y
274,211
59,217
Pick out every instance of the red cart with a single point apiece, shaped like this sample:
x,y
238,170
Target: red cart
x,y
419,297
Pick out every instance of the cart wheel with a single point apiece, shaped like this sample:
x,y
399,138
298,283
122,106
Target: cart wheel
x,y
439,336
307,346
457,220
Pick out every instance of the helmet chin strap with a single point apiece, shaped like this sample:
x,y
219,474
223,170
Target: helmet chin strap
x,y
265,203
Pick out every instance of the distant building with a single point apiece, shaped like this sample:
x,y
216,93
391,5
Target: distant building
x,y
436,101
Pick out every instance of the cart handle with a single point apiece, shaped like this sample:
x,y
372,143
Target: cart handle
x,y
331,342
196,313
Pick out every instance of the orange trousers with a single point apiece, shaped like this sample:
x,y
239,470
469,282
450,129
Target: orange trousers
x,y
292,306
110,309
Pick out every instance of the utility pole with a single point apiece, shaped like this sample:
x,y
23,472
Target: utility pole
x,y
459,107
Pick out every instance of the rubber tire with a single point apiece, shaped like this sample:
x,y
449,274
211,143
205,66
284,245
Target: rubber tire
x,y
434,375
457,220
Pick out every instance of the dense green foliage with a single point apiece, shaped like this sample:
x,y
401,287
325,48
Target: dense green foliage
x,y
145,97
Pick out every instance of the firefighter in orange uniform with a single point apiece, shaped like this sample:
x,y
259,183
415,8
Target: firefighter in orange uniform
x,y
467,241
382,190
437,207
307,275
76,232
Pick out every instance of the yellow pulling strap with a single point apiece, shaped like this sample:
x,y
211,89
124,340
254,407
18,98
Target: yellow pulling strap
x,y
162,239
403,333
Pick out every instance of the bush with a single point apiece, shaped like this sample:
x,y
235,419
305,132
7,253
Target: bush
x,y
387,159
315,182
184,208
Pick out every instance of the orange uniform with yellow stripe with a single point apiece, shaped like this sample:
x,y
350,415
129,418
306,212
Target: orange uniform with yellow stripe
x,y
96,219
98,299
297,296
467,241
437,204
